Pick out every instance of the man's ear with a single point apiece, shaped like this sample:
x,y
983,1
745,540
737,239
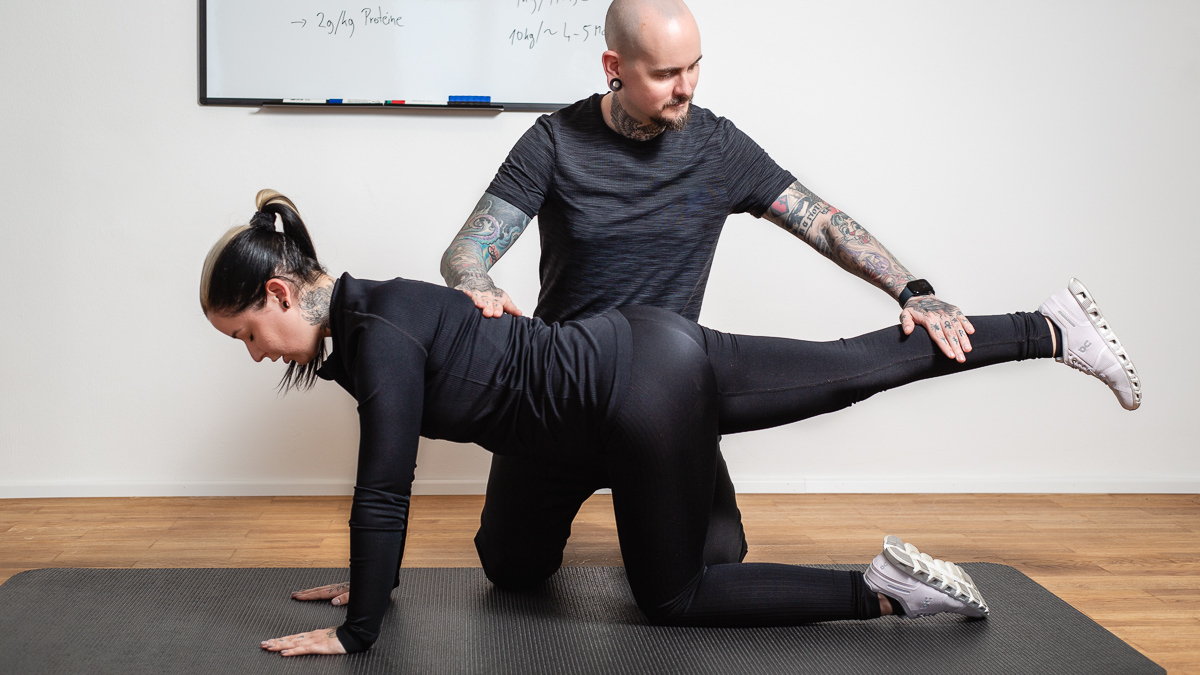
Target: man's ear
x,y
612,65
281,292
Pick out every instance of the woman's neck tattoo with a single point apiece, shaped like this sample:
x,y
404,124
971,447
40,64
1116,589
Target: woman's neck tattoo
x,y
314,304
629,127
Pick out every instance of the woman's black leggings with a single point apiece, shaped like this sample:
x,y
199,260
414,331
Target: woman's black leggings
x,y
688,386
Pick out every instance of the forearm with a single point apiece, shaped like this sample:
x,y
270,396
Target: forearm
x,y
491,229
861,254
838,237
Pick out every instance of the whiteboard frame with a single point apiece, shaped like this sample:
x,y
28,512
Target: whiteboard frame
x,y
205,99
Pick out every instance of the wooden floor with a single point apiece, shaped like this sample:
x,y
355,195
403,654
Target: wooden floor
x,y
1131,562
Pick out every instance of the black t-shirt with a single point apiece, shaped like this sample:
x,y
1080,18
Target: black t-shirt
x,y
421,360
627,222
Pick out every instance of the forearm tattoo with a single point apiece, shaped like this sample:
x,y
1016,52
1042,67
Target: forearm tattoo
x,y
314,305
492,228
629,127
838,237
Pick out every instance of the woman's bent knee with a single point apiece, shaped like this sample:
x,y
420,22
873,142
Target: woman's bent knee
x,y
513,569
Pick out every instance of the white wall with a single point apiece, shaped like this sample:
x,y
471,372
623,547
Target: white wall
x,y
997,149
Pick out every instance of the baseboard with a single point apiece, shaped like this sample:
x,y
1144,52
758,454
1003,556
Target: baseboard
x,y
816,485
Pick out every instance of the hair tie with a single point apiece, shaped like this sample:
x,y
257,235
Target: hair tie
x,y
271,220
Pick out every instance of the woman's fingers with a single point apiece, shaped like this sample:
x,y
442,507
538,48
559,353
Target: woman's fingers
x,y
323,592
341,599
906,322
322,641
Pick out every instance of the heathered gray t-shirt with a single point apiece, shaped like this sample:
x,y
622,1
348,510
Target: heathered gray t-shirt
x,y
627,222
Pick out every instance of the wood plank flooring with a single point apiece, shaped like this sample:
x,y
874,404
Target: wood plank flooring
x,y
1131,562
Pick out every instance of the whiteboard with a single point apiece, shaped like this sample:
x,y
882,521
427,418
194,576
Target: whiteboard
x,y
524,54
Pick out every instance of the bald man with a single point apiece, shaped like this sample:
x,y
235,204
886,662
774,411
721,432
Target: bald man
x,y
631,189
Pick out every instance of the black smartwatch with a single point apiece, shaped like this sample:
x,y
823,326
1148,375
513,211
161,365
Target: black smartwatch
x,y
913,289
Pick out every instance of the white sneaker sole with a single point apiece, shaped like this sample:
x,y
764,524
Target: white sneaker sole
x,y
1092,310
968,594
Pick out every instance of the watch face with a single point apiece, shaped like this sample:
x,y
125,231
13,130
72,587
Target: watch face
x,y
919,287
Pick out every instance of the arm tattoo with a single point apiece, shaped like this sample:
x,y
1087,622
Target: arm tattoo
x,y
492,228
331,634
629,127
314,305
838,237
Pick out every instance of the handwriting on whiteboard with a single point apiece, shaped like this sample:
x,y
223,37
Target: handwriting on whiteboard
x,y
344,22
537,5
570,33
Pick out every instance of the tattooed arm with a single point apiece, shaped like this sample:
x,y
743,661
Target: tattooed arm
x,y
492,228
838,237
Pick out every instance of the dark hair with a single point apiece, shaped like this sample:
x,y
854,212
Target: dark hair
x,y
239,265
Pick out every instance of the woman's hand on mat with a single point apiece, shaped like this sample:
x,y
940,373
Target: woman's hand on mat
x,y
947,325
337,594
324,641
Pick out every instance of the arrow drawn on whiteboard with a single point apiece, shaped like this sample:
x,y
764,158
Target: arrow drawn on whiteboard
x,y
302,22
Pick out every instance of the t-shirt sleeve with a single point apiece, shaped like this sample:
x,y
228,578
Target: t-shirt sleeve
x,y
527,173
752,178
389,386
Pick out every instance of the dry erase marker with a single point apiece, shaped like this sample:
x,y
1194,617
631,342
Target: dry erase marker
x,y
361,101
394,101
336,101
304,100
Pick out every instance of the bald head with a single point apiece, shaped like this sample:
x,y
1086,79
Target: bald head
x,y
632,25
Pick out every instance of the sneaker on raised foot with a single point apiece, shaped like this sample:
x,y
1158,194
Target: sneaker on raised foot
x,y
924,584
1089,344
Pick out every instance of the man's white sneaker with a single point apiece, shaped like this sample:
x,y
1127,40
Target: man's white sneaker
x,y
924,584
1089,345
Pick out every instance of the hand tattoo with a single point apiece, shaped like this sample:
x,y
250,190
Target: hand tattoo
x,y
927,304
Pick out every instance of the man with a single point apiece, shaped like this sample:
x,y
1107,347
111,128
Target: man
x,y
631,189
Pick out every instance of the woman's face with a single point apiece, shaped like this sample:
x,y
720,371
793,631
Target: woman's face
x,y
273,331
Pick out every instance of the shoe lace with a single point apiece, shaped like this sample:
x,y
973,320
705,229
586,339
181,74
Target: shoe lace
x,y
1083,367
943,574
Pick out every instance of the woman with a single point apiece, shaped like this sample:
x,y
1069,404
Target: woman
x,y
641,392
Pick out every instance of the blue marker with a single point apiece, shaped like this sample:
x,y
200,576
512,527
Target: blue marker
x,y
471,100
335,100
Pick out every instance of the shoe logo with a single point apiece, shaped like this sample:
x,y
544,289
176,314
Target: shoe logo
x,y
925,602
1086,344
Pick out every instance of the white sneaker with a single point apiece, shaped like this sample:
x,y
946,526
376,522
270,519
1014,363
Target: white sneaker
x,y
924,584
1089,345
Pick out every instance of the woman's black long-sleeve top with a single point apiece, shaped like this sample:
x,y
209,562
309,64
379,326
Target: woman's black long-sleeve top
x,y
421,360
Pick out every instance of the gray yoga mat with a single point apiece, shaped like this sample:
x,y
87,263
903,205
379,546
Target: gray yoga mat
x,y
453,621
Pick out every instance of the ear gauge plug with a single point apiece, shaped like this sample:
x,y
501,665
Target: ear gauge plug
x,y
286,305
614,84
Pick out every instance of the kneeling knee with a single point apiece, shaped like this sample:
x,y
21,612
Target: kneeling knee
x,y
512,570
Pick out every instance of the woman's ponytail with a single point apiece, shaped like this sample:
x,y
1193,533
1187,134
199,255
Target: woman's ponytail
x,y
240,263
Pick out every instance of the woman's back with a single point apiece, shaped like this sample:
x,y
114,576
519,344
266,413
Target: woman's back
x,y
510,384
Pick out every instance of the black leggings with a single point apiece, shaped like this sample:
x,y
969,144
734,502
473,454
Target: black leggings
x,y
688,386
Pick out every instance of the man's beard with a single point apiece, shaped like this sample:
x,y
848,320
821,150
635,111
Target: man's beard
x,y
677,123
